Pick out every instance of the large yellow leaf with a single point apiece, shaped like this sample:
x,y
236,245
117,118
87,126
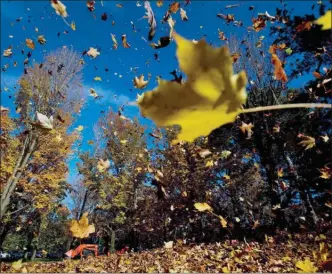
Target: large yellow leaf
x,y
306,266
82,229
211,97
325,21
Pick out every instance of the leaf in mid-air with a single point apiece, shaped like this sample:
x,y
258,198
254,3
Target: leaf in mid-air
x,y
202,207
81,229
211,97
308,142
325,21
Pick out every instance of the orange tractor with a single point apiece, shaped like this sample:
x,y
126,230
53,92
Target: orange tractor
x,y
79,250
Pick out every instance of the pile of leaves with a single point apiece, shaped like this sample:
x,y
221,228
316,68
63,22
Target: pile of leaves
x,y
282,253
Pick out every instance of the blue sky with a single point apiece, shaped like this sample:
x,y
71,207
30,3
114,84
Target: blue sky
x,y
91,31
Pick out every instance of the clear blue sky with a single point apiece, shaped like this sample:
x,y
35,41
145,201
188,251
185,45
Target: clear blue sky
x,y
91,31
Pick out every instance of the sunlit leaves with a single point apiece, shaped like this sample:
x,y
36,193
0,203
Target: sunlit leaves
x,y
8,52
140,83
43,121
103,165
30,44
81,229
41,39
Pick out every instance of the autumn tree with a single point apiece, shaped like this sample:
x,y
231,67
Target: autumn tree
x,y
51,89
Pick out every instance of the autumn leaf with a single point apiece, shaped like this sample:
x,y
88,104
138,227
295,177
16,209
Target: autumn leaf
x,y
174,7
223,221
247,128
168,244
325,173
306,25
279,71
30,44
325,138
115,43
159,3
211,97
224,154
43,122
124,41
140,83
183,15
73,25
308,142
202,207
41,39
209,163
79,128
81,229
280,172
306,266
7,52
93,93
325,21
93,52
97,78
60,8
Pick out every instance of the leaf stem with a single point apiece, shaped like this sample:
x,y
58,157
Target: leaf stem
x,y
286,106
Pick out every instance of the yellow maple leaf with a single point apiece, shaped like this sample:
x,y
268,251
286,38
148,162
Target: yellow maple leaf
x,y
308,142
97,78
140,83
280,172
306,266
202,207
223,221
209,163
325,20
211,97
325,173
82,229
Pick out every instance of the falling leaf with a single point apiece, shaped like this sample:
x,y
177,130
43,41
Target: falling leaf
x,y
81,229
174,7
306,266
325,138
124,41
119,5
289,51
151,19
115,43
7,52
325,173
325,21
306,25
223,221
79,128
43,121
211,97
308,142
224,154
247,128
221,35
41,39
60,8
162,42
103,165
91,5
279,71
280,172
93,93
209,163
73,25
30,44
204,153
97,78
183,15
159,3
93,52
140,83
202,207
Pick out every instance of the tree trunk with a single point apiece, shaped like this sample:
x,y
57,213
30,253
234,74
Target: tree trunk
x,y
17,173
113,235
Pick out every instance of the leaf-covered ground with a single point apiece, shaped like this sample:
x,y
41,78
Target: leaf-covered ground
x,y
296,253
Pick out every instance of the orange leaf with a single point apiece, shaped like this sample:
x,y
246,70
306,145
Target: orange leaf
x,y
279,71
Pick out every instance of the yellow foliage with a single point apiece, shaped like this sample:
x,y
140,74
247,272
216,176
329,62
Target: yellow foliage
x,y
202,207
211,97
306,266
325,21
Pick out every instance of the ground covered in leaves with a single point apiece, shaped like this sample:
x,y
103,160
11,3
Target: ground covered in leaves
x,y
290,253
